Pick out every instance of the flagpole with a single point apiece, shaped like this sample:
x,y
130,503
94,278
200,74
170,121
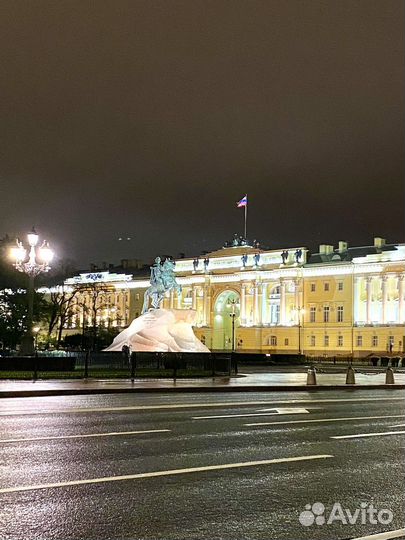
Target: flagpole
x,y
245,221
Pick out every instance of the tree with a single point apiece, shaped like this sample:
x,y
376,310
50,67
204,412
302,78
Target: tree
x,y
13,315
59,299
92,300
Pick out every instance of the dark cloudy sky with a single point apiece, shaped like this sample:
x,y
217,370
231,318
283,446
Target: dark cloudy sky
x,y
150,119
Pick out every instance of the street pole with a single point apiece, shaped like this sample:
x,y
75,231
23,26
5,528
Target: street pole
x,y
299,334
38,261
27,342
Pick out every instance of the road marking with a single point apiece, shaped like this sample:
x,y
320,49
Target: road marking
x,y
219,405
383,536
163,473
357,435
274,412
398,425
85,436
323,420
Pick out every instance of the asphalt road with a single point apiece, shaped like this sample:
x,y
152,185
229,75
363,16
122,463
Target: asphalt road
x,y
211,466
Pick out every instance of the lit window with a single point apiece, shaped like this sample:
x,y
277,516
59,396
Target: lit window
x,y
313,287
326,341
340,286
326,286
326,314
313,341
312,314
340,314
340,341
359,341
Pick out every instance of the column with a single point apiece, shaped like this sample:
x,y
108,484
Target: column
x,y
282,303
259,313
384,299
194,298
401,302
171,299
356,300
297,302
264,303
206,306
368,299
243,305
179,298
255,304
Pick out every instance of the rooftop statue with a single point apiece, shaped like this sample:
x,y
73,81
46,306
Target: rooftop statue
x,y
162,280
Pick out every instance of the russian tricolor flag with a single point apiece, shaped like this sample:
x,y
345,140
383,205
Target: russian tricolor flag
x,y
242,202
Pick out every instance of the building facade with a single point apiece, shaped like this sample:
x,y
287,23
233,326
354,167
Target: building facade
x,y
339,301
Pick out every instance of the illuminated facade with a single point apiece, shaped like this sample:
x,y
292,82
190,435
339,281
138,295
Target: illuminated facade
x,y
336,302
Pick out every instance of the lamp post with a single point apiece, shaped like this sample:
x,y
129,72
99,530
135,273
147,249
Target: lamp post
x,y
37,262
300,312
233,315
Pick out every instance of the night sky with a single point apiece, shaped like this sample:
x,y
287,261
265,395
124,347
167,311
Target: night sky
x,y
150,119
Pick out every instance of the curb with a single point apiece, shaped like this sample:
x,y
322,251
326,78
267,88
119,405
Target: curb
x,y
197,389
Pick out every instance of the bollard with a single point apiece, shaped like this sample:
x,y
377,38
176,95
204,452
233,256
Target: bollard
x,y
389,376
311,376
350,378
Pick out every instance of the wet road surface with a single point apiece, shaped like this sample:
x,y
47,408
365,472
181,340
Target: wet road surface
x,y
212,466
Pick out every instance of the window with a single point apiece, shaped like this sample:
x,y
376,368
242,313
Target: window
x,y
326,314
326,341
340,341
273,340
340,286
374,341
359,341
313,341
340,314
286,341
312,314
391,340
326,286
313,287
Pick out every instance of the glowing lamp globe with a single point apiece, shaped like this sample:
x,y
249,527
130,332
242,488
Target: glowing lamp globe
x,y
45,253
32,238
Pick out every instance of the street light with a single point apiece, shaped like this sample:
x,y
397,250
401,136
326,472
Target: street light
x,y
233,315
299,311
38,261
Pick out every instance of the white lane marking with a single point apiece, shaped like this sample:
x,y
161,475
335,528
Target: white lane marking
x,y
85,436
383,536
323,420
357,435
274,412
398,425
163,473
219,405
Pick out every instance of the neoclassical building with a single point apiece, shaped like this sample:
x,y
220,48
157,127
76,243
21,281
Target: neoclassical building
x,y
340,301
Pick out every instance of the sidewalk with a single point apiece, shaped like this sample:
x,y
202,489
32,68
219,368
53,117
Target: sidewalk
x,y
251,382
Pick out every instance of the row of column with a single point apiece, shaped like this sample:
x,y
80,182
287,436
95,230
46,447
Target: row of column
x,y
384,299
260,304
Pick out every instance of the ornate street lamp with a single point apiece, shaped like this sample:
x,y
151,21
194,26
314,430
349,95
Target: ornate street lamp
x,y
37,262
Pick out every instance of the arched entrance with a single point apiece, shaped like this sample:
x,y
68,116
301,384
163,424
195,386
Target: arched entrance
x,y
222,331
